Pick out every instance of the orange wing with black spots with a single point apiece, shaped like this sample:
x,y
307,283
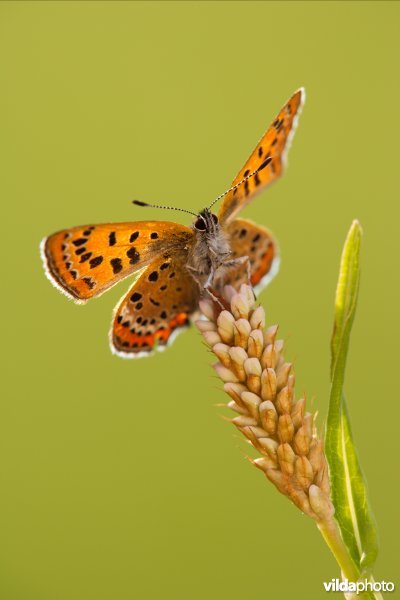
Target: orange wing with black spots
x,y
83,262
158,304
266,161
256,242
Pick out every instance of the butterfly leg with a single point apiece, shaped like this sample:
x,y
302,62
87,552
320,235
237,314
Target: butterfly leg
x,y
196,276
209,289
241,260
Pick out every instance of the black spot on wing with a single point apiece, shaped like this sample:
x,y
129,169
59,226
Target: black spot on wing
x,y
95,262
89,282
85,257
116,264
133,255
153,276
136,297
265,163
134,236
79,241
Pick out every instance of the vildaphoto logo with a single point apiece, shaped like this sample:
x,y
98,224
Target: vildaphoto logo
x,y
336,585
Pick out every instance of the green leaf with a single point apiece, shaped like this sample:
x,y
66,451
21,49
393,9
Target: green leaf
x,y
349,492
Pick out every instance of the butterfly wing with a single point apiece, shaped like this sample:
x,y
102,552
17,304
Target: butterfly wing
x,y
158,304
267,159
256,242
83,262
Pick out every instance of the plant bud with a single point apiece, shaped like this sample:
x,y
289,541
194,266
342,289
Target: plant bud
x,y
268,384
253,370
225,374
229,292
286,458
300,499
257,319
255,343
270,335
225,323
207,308
244,421
239,307
285,429
236,407
320,503
308,422
302,441
283,375
297,413
235,391
203,325
278,479
252,402
222,352
304,472
268,417
248,293
269,357
316,455
270,448
264,463
284,400
237,356
241,332
211,338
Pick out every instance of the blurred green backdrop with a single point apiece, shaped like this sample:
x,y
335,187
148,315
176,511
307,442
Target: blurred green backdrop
x,y
119,478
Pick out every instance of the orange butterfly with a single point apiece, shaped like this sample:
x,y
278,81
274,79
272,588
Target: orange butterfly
x,y
176,262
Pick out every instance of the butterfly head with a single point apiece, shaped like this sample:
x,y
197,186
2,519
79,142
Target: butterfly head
x,y
206,222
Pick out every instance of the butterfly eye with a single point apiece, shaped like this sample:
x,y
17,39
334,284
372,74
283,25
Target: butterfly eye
x,y
200,225
215,218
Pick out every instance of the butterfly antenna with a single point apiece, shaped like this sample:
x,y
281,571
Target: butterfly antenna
x,y
234,187
140,203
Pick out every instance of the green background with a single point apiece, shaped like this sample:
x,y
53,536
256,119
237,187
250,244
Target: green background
x,y
119,479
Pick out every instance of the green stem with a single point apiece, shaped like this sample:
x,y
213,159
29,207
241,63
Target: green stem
x,y
331,534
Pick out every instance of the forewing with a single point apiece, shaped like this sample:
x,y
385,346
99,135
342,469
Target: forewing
x,y
266,161
256,242
83,262
158,304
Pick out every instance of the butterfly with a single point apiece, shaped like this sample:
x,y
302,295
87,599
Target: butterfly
x,y
174,263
